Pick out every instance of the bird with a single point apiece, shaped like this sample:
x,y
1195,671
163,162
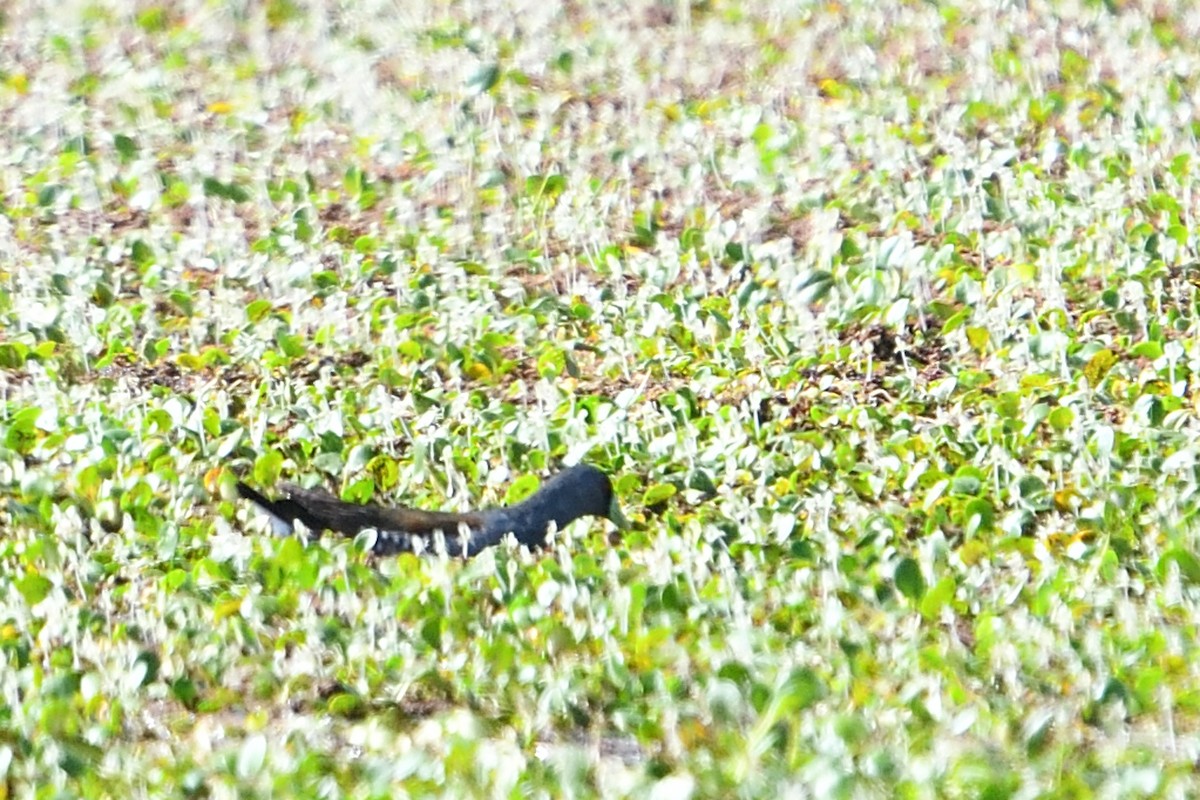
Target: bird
x,y
578,491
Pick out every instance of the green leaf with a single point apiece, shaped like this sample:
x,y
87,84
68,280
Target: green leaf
x,y
360,456
484,79
289,554
1147,350
1189,565
801,690
815,287
659,493
226,191
1061,418
149,664
521,488
34,588
291,346
966,482
267,468
909,579
431,632
142,254
126,147
13,355
345,704
174,579
978,515
955,322
545,187
938,597
257,310
360,491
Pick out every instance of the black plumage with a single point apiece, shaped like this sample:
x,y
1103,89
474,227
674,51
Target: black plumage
x,y
575,492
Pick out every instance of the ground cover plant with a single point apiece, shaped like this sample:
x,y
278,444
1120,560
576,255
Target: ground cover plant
x,y
882,317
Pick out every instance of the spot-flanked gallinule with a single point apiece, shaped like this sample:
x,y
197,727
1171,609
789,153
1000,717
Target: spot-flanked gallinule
x,y
575,492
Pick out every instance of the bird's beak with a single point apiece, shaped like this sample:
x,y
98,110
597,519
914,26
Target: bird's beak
x,y
616,516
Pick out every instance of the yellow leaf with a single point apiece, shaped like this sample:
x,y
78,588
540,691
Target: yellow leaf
x,y
1026,272
830,88
972,551
220,107
1064,499
692,732
861,693
1098,367
227,609
212,480
978,338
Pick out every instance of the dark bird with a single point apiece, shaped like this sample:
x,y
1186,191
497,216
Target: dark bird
x,y
575,492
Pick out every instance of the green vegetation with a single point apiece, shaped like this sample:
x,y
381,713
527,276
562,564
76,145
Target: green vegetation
x,y
883,317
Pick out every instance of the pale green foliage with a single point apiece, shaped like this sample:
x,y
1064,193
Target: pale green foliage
x,y
883,317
